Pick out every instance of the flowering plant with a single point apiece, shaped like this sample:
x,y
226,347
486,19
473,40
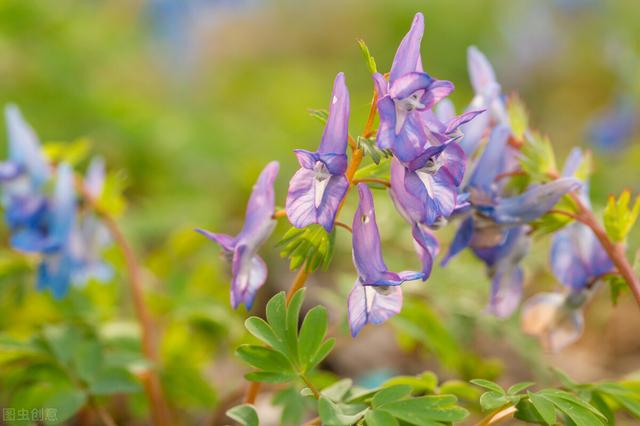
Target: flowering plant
x,y
485,172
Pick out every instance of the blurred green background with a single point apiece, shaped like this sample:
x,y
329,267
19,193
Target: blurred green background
x,y
187,100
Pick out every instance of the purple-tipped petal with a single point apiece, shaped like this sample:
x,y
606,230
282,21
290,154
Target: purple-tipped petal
x,y
481,72
436,191
473,131
372,305
409,83
455,122
259,222
427,247
533,203
386,136
367,253
409,207
408,53
438,90
410,142
577,257
249,274
382,85
453,162
491,162
461,240
336,164
336,131
314,201
227,242
9,170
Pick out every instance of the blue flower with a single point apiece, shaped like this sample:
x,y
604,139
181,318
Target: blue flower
x,y
376,294
318,187
247,268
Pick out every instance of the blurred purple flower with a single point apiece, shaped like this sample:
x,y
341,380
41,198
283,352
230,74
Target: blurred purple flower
x,y
487,97
90,236
376,294
318,187
614,128
408,92
248,269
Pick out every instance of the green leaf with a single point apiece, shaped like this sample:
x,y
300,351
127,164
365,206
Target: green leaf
x,y
487,384
518,116
460,389
538,159
113,380
528,413
270,376
492,400
371,62
65,402
264,358
332,414
427,382
72,153
293,314
293,406
311,246
617,285
322,115
379,418
87,360
312,332
601,405
244,414
544,407
380,171
277,315
337,391
322,353
263,331
619,218
581,413
623,396
519,387
390,394
370,148
426,409
62,340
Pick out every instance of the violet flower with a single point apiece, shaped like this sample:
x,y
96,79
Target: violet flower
x,y
408,92
318,187
578,262
90,236
487,97
376,294
249,272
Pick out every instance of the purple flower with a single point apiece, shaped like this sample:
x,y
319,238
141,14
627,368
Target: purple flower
x,y
318,187
434,178
487,97
408,92
90,236
503,263
376,295
56,266
248,269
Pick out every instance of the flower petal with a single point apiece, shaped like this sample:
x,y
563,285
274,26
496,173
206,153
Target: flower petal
x,y
427,247
409,83
460,241
437,91
533,203
386,136
249,274
24,146
481,72
408,53
506,292
409,207
259,222
455,122
367,254
336,131
227,242
491,162
366,305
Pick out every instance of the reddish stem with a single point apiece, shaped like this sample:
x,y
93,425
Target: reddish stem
x,y
151,381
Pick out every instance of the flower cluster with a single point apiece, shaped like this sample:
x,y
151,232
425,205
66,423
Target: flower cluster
x,y
443,167
45,220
